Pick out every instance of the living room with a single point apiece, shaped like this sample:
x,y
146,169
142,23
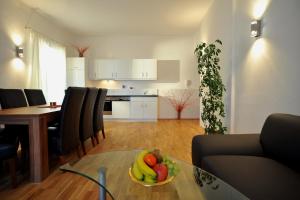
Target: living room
x,y
260,74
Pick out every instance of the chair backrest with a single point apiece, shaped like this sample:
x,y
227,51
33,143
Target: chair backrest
x,y
70,119
280,139
98,111
87,114
12,98
35,97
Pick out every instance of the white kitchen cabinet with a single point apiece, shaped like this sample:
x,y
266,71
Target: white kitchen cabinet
x,y
136,110
105,69
143,108
75,72
120,109
123,69
144,69
150,110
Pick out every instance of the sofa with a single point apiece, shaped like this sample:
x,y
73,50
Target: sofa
x,y
261,166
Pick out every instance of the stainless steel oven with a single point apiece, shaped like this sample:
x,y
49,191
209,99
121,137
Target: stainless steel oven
x,y
107,107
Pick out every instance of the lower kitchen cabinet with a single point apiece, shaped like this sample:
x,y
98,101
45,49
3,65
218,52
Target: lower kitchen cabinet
x,y
143,108
121,109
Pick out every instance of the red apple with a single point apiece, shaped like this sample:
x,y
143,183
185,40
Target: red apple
x,y
150,159
161,171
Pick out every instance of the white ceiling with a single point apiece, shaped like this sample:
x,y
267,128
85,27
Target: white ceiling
x,y
102,17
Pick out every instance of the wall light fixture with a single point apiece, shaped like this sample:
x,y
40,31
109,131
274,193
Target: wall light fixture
x,y
19,52
256,28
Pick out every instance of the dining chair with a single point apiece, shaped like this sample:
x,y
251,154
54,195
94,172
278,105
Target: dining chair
x,y
65,138
35,97
98,113
8,153
87,114
15,98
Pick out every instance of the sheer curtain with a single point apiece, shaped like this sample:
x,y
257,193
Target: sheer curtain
x,y
46,61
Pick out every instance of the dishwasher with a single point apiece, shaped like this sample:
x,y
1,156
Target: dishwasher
x,y
120,107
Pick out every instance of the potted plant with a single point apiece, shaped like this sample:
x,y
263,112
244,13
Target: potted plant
x,y
211,88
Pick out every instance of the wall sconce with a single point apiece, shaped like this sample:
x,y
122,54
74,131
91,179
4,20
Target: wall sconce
x,y
256,28
19,52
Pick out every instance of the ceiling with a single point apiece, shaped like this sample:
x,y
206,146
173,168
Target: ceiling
x,y
138,17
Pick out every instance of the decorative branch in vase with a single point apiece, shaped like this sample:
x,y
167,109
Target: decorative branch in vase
x,y
81,50
180,100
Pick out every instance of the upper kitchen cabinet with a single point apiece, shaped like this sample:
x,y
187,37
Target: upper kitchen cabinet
x,y
105,69
75,72
144,69
122,69
111,69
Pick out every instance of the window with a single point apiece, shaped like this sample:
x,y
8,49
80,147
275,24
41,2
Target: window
x,y
47,66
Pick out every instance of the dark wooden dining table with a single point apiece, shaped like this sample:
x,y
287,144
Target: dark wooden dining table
x,y
37,119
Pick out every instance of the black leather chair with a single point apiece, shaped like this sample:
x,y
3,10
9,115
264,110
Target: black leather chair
x,y
65,138
87,114
261,166
35,97
14,98
98,113
8,152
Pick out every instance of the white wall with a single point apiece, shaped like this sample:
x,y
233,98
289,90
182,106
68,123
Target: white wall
x,y
178,48
13,18
265,71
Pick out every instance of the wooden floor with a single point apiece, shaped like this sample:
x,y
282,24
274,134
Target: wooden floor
x,y
172,137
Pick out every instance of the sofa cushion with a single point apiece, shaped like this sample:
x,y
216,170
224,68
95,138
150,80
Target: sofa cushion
x,y
280,139
256,177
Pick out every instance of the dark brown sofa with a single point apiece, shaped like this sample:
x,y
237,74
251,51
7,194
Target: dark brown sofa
x,y
261,166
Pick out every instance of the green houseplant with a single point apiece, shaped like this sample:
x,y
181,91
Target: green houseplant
x,y
211,88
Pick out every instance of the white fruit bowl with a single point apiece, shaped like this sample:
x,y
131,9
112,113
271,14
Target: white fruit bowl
x,y
168,180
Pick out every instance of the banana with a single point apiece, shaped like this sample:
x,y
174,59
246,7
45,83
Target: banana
x,y
136,172
142,166
149,179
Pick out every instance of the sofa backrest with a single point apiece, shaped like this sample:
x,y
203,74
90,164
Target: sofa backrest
x,y
280,139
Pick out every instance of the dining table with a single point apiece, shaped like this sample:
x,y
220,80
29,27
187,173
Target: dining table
x,y
37,118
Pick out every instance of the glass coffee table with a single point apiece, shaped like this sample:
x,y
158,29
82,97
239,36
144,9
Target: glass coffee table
x,y
190,183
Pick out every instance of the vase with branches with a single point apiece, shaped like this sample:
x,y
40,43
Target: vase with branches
x,y
81,50
211,88
180,100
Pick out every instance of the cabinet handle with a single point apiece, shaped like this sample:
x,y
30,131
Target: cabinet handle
x,y
116,74
147,74
112,75
143,74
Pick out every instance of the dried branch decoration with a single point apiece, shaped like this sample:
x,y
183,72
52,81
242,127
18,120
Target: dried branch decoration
x,y
81,50
180,100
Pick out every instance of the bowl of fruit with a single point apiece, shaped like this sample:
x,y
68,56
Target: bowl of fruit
x,y
150,168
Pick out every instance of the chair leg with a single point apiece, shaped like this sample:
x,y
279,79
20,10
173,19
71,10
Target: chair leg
x,y
96,137
93,142
78,152
12,170
103,133
83,148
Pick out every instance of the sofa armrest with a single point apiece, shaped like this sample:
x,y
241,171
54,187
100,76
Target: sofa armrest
x,y
234,144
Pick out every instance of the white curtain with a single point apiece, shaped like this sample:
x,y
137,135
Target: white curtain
x,y
46,61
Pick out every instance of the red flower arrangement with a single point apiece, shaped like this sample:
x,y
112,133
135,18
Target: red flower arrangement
x,y
180,100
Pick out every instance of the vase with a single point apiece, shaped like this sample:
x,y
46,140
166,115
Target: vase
x,y
179,114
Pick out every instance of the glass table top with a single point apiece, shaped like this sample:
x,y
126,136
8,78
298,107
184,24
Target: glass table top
x,y
190,183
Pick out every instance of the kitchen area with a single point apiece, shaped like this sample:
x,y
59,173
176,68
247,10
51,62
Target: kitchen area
x,y
135,91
